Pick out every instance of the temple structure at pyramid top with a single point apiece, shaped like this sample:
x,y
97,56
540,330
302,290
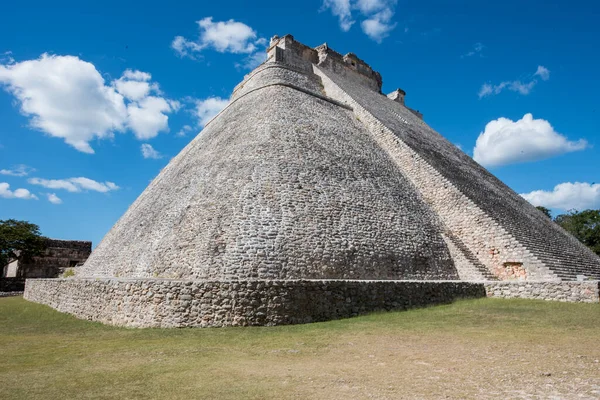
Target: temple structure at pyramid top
x,y
313,196
290,52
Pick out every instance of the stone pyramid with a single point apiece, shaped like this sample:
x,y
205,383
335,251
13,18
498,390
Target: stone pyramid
x,y
312,196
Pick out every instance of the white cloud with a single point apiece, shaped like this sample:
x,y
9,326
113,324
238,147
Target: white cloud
x,y
507,142
74,185
227,36
6,58
206,109
133,90
65,97
136,75
518,86
183,131
514,86
486,90
372,6
223,36
90,184
184,47
477,49
149,152
342,10
24,194
376,14
68,98
378,26
148,117
542,72
17,170
55,184
146,114
567,196
54,199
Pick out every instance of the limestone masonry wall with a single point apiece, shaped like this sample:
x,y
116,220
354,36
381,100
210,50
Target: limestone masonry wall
x,y
278,73
269,191
573,291
173,303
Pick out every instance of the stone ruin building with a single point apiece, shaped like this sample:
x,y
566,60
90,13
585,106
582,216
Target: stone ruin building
x,y
315,196
58,256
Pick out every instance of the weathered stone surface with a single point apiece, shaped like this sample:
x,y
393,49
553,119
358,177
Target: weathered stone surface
x,y
287,184
313,196
576,292
270,191
177,303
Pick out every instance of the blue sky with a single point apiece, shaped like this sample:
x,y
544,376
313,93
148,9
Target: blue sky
x,y
77,78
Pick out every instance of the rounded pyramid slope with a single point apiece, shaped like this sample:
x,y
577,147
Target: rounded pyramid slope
x,y
281,185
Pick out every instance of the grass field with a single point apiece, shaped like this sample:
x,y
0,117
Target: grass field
x,y
486,348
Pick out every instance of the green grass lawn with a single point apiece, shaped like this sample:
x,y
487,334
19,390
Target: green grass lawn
x,y
485,348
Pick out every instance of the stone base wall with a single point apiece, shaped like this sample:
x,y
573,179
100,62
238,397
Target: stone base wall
x,y
177,303
576,292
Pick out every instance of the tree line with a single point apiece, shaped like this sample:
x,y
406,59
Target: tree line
x,y
584,225
19,240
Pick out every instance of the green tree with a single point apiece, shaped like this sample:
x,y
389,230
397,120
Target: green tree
x,y
19,240
545,211
584,225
